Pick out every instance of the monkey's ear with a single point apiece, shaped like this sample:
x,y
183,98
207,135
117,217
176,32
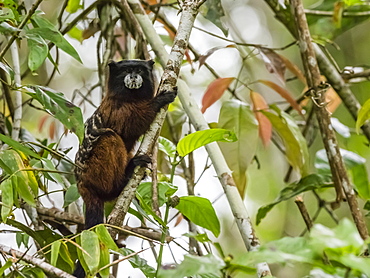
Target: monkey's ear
x,y
151,63
112,64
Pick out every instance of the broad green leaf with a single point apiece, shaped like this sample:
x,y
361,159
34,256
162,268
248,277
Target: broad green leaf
x,y
23,189
73,6
8,264
296,150
65,255
148,210
49,165
310,182
105,237
165,190
62,109
55,247
71,195
239,118
18,146
166,146
90,243
195,265
363,115
354,163
49,32
201,138
6,198
201,212
213,11
38,51
138,262
104,260
199,237
340,240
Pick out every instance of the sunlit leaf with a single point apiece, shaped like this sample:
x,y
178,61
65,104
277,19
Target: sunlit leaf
x,y
363,115
295,144
201,138
195,265
55,247
214,91
73,6
105,237
264,125
38,51
18,146
166,146
6,198
49,32
90,243
201,212
310,182
238,117
283,93
165,189
104,261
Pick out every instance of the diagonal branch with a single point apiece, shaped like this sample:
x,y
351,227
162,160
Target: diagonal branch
x,y
339,173
189,11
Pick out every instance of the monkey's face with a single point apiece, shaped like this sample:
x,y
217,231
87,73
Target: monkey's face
x,y
135,75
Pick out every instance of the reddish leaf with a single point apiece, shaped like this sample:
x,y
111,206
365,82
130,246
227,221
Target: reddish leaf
x,y
273,62
214,91
202,58
332,99
264,124
293,69
283,93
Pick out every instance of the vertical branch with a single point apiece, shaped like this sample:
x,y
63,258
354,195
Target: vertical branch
x,y
339,173
17,94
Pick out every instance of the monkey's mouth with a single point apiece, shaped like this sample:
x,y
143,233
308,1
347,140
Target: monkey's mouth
x,y
133,81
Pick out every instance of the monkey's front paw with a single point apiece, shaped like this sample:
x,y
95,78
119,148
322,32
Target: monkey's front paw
x,y
141,160
166,97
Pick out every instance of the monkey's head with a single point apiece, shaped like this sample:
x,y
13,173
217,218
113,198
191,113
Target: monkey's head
x,y
131,79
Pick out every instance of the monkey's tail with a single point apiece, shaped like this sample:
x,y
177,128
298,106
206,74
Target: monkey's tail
x,y
94,215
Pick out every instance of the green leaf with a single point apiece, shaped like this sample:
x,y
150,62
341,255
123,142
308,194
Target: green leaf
x,y
18,146
354,163
104,260
65,255
310,182
201,212
38,51
165,189
105,237
138,262
73,6
295,144
8,264
340,240
90,243
238,117
49,32
6,198
71,195
62,109
201,138
6,28
147,210
166,146
213,11
23,189
195,265
55,247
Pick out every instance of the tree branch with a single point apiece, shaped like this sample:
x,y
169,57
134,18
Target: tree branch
x,y
50,270
339,173
191,107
